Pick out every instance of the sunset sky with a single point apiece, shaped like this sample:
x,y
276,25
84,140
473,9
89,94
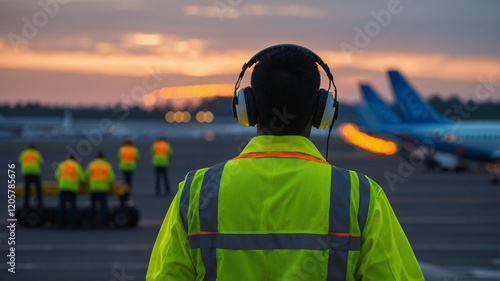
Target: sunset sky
x,y
131,51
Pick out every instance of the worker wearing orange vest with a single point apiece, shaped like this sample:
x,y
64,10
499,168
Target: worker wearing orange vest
x,y
279,210
161,151
31,160
69,174
128,155
100,176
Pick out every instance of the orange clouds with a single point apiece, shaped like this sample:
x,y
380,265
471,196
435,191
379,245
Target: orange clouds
x,y
428,65
193,58
205,63
237,11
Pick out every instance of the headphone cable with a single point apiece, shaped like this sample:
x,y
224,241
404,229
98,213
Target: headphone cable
x,y
328,142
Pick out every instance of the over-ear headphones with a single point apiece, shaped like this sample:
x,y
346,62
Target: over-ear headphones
x,y
327,106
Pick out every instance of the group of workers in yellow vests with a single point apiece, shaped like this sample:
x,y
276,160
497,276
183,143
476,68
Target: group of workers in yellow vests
x,y
99,175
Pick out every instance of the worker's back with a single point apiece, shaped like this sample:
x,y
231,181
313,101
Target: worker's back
x,y
275,206
279,211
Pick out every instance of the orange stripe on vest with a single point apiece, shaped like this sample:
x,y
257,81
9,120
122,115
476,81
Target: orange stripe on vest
x,y
342,234
298,155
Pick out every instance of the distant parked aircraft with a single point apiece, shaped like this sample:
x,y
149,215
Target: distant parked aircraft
x,y
35,126
445,142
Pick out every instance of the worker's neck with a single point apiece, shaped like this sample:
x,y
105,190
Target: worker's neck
x,y
266,132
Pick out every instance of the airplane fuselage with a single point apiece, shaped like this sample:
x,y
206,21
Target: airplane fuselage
x,y
467,139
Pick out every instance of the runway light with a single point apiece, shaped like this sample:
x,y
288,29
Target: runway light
x,y
178,116
204,116
209,117
209,135
186,116
169,116
200,116
351,134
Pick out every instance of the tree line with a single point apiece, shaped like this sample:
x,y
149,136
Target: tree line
x,y
221,106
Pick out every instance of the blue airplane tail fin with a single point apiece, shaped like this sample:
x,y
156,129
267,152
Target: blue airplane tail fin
x,y
380,110
413,108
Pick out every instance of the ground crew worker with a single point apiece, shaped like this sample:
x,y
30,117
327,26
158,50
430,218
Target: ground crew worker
x,y
128,155
69,174
100,176
31,160
161,151
279,210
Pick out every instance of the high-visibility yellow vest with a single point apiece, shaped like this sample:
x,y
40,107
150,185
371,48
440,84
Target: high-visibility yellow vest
x,y
69,174
30,160
279,211
161,152
128,155
100,175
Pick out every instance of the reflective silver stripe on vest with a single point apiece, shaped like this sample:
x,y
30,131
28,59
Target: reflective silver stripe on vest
x,y
340,206
364,201
209,203
274,241
184,203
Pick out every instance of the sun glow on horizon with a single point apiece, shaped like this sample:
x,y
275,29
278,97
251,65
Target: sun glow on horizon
x,y
182,96
197,91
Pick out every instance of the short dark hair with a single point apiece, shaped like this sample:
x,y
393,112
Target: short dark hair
x,y
100,154
285,83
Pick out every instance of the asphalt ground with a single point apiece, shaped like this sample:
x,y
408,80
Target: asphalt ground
x,y
452,220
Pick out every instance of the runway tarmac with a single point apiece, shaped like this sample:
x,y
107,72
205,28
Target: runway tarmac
x,y
452,220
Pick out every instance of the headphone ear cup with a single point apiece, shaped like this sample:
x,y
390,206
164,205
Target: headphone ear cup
x,y
244,107
326,110
319,109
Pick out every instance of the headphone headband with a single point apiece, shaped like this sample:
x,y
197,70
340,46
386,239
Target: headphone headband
x,y
267,50
317,59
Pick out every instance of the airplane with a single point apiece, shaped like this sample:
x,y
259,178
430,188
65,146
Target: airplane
x,y
442,141
36,126
469,139
411,138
